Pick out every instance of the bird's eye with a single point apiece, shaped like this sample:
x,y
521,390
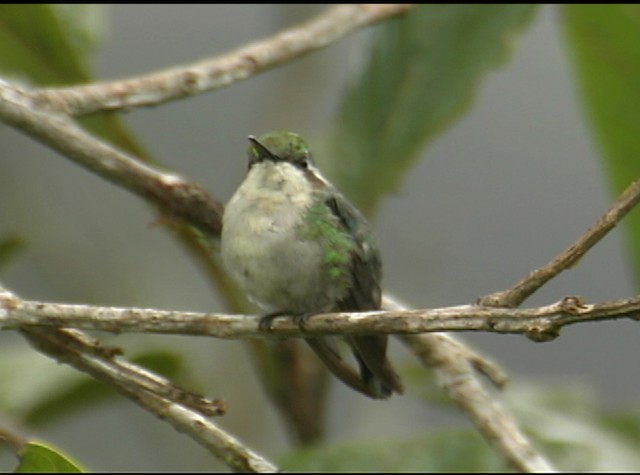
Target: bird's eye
x,y
303,163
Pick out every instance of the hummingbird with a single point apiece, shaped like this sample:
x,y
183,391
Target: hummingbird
x,y
298,247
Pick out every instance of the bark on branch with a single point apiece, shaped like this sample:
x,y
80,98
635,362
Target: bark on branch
x,y
538,323
209,74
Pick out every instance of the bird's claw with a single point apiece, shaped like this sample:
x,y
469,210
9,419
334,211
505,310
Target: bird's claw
x,y
266,322
301,320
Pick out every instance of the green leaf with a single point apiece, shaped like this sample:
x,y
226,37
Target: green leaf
x,y
48,45
9,247
37,458
85,24
604,42
422,72
35,43
446,451
624,423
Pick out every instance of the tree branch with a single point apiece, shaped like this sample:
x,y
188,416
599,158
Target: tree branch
x,y
179,82
174,196
185,411
493,421
150,392
570,256
454,366
538,323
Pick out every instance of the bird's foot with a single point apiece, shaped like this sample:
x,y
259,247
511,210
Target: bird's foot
x,y
266,322
300,319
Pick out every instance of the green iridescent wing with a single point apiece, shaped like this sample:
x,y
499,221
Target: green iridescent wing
x,y
365,266
365,294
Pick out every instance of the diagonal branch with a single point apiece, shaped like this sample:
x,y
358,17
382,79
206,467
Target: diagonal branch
x,y
174,196
185,411
454,365
179,82
88,355
535,279
493,421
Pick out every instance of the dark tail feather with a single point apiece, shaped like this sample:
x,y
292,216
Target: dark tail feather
x,y
377,379
330,356
375,370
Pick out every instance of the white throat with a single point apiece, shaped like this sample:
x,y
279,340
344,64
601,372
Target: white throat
x,y
274,184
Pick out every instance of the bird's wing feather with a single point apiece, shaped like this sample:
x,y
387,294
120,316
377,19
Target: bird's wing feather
x,y
365,294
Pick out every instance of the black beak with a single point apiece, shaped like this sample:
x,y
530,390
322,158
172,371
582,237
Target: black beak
x,y
263,152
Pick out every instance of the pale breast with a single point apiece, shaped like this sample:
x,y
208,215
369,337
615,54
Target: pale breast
x,y
264,250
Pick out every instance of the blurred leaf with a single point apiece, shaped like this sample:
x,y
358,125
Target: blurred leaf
x,y
572,430
36,390
85,23
446,451
9,247
38,458
565,425
423,70
624,423
604,42
41,43
35,43
84,391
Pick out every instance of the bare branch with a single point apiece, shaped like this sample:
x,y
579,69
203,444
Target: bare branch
x,y
570,256
454,365
538,324
489,369
186,411
88,355
456,376
210,74
174,196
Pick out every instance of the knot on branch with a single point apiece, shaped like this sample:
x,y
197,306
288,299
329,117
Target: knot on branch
x,y
8,301
189,82
574,305
542,333
496,299
187,202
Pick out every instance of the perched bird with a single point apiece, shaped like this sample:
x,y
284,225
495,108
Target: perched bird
x,y
298,247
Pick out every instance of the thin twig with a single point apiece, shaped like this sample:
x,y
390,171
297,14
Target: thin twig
x,y
537,323
535,279
209,74
87,354
186,411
